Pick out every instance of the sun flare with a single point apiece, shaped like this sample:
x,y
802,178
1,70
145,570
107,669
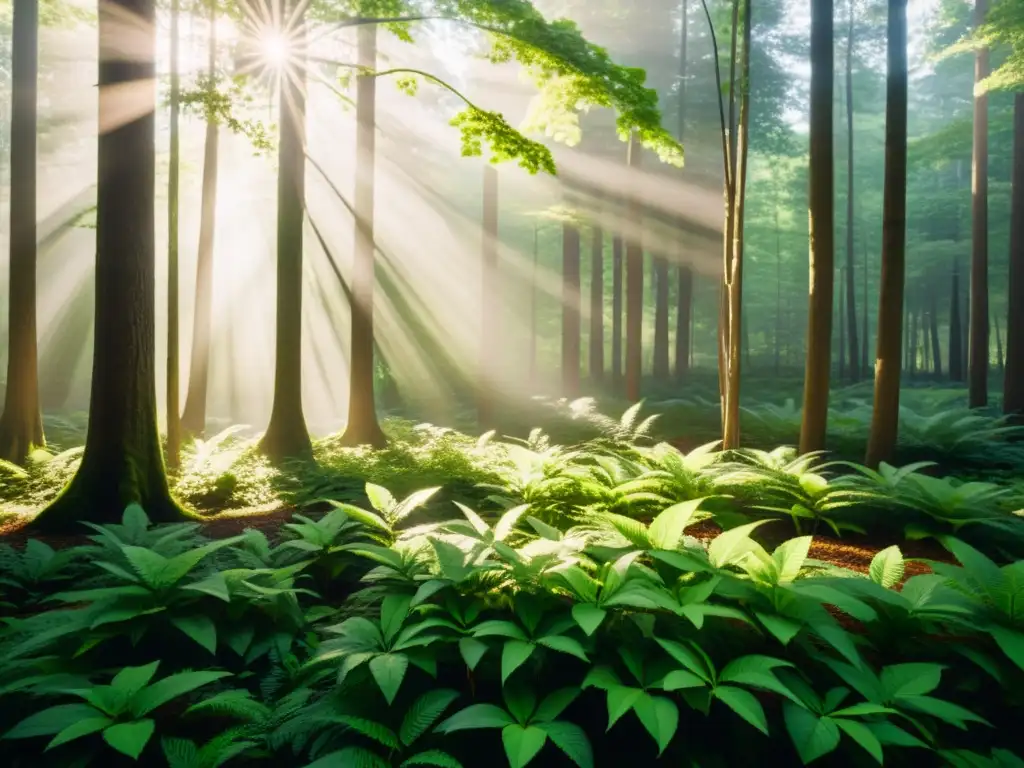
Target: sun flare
x,y
274,47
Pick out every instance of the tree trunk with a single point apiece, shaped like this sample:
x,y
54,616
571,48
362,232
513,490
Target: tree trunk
x,y
1013,382
685,298
979,338
362,427
912,314
570,310
533,309
933,320
999,345
661,359
617,313
956,351
842,324
634,284
885,417
122,463
864,320
778,292
286,436
489,287
597,306
173,388
193,420
21,425
822,235
851,283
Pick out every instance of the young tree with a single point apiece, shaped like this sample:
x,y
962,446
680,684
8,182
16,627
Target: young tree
x,y
822,236
979,311
489,286
1013,383
570,309
193,420
885,417
21,425
173,173
362,427
122,462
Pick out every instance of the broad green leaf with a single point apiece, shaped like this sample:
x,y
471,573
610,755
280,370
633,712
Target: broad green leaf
x,y
667,528
513,655
564,644
413,501
744,704
131,680
588,616
572,740
681,679
215,585
947,711
393,611
555,703
432,757
52,721
621,699
507,522
200,628
380,498
472,651
476,716
544,530
745,668
733,545
388,670
887,567
602,678
813,736
1010,642
371,730
522,744
782,628
171,687
427,590
789,558
362,516
520,701
498,628
350,757
686,656
130,738
423,713
910,679
863,736
474,519
77,730
660,716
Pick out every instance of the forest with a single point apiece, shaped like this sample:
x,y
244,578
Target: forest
x,y
511,382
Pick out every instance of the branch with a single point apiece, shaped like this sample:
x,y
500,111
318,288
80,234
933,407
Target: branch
x,y
721,104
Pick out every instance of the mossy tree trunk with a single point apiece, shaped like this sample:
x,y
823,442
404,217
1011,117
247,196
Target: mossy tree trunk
x,y
286,436
362,427
122,463
193,420
822,231
1013,383
885,416
978,350
21,425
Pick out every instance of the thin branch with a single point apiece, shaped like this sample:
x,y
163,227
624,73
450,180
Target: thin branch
x,y
721,103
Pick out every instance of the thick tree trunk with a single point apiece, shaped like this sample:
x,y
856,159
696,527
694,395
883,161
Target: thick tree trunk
x,y
956,335
193,420
634,285
570,310
489,360
122,463
21,425
617,269
173,388
851,283
683,326
979,338
661,358
885,417
822,235
362,427
286,436
597,306
1013,382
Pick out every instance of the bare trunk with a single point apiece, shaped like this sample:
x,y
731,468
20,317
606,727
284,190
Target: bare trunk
x,y
933,320
570,310
489,283
979,337
999,345
634,285
173,299
597,306
684,308
617,313
1013,382
661,359
864,320
956,336
851,283
842,324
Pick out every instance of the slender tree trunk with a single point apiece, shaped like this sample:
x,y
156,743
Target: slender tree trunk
x,y
597,306
885,417
851,283
634,285
286,436
684,308
617,269
956,336
173,309
1013,382
661,358
123,462
864,320
822,235
533,308
999,345
570,310
979,338
914,314
362,427
193,420
778,292
933,320
842,324
21,425
489,286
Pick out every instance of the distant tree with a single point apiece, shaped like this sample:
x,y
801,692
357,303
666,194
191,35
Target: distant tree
x,y
570,309
596,304
489,290
979,310
1013,383
634,269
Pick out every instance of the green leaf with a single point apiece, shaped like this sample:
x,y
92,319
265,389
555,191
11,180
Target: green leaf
x,y
686,656
732,545
789,558
513,655
681,679
498,628
887,567
424,712
781,628
131,680
215,585
863,736
52,721
350,757
572,740
813,736
388,670
667,528
588,616
414,501
910,679
393,611
555,703
130,738
476,716
744,704
522,744
564,644
371,730
1010,642
951,713
171,687
200,628
472,651
380,498
77,730
660,716
427,590
621,699
508,521
433,757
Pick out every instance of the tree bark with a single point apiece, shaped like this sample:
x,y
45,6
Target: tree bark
x,y
885,416
21,425
956,351
570,310
851,283
822,235
286,436
979,312
193,420
173,388
661,358
123,462
597,306
362,427
1013,381
634,284
684,307
617,269
489,282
